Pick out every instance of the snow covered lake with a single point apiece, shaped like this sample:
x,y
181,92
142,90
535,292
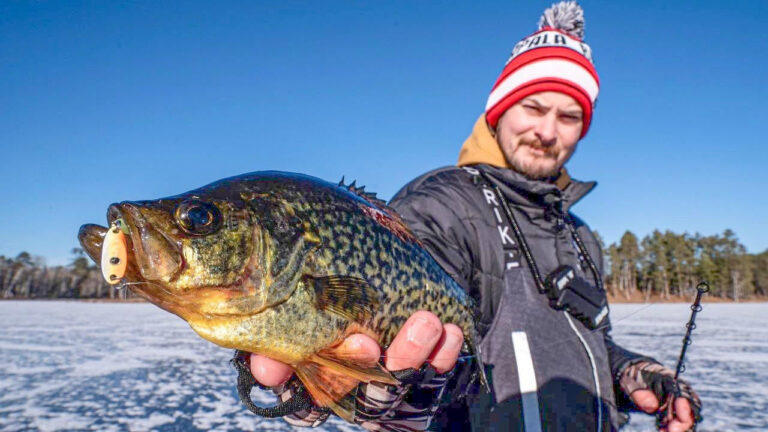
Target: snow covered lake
x,y
132,367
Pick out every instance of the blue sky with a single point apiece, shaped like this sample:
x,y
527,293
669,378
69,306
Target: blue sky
x,y
110,101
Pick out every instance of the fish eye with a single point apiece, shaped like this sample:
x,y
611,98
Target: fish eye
x,y
198,218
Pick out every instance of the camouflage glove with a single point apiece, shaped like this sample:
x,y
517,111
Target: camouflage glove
x,y
381,407
309,417
646,375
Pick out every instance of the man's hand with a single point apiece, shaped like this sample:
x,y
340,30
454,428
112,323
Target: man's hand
x,y
681,419
653,389
423,339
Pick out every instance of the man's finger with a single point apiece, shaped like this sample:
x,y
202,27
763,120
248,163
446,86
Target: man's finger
x,y
683,419
269,372
645,400
362,349
445,354
414,342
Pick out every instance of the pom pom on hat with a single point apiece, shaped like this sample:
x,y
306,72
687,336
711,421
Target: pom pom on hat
x,y
567,16
552,59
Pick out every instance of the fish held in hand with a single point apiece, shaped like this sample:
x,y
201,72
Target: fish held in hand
x,y
283,265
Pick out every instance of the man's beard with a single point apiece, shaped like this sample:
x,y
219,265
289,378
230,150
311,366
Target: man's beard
x,y
532,166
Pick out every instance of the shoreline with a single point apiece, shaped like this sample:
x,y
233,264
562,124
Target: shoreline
x,y
640,298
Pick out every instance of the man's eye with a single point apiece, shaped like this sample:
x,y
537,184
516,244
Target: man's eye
x,y
570,118
532,108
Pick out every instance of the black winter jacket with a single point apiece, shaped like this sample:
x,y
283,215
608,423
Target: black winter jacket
x,y
572,387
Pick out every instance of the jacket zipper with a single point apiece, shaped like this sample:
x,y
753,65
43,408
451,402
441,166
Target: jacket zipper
x,y
562,222
565,223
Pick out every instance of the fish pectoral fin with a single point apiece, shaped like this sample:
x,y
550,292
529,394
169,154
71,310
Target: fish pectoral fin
x,y
329,388
360,372
349,297
332,382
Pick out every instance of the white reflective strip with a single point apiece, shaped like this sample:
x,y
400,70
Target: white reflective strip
x,y
601,316
554,68
528,387
472,171
504,234
498,215
490,197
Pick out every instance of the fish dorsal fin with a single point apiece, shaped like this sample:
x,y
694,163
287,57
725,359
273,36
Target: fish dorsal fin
x,y
382,213
389,219
349,297
360,191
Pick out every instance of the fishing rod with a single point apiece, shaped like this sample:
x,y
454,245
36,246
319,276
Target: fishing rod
x,y
701,289
668,409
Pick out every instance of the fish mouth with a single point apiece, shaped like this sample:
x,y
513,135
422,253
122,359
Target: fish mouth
x,y
91,238
153,258
157,256
155,261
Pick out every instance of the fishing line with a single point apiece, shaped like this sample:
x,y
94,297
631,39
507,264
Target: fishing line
x,y
124,284
555,343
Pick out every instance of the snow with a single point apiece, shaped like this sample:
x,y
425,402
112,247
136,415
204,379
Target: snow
x,y
133,367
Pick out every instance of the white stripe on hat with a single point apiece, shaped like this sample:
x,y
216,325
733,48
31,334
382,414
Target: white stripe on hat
x,y
548,68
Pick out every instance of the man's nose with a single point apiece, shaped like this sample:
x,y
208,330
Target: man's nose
x,y
546,130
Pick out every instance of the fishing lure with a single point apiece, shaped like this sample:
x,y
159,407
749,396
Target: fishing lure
x,y
114,254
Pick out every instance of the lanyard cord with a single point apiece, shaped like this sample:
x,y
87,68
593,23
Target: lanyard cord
x,y
583,249
527,251
542,288
521,240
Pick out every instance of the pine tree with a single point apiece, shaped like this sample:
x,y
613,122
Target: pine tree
x,y
629,254
760,273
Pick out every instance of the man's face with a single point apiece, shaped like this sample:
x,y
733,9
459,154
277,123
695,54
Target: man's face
x,y
539,134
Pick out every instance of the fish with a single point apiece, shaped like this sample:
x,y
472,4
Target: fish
x,y
284,265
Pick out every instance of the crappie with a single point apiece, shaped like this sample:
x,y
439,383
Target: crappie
x,y
284,265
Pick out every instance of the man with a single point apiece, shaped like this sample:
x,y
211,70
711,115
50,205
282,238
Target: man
x,y
500,225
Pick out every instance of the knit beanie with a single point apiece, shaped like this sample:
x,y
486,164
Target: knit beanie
x,y
552,59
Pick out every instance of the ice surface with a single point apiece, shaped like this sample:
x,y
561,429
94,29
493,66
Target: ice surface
x,y
727,364
133,367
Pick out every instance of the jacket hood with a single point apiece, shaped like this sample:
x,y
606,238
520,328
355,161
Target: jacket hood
x,y
482,148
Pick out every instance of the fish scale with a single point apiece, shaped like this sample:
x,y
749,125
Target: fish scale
x,y
287,266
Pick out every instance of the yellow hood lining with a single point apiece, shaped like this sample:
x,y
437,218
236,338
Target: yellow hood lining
x,y
481,147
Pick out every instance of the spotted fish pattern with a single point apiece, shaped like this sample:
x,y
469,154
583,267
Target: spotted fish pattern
x,y
286,265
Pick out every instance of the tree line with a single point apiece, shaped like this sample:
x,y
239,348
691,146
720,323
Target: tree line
x,y
27,277
660,264
669,264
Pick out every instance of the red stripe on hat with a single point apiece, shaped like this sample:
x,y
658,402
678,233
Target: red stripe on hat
x,y
541,85
546,53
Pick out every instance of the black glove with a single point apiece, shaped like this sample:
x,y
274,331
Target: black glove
x,y
646,375
381,407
